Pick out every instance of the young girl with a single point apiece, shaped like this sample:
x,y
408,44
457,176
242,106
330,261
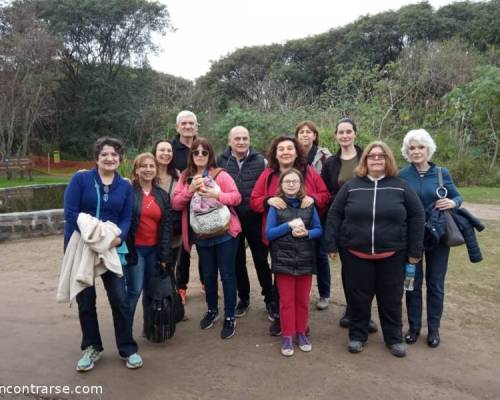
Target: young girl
x,y
291,233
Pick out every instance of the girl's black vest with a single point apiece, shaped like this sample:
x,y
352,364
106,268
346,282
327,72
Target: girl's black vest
x,y
290,255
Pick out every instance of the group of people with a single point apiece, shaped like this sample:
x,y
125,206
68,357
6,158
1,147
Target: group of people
x,y
299,205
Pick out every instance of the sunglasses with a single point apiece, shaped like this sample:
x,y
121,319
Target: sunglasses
x,y
197,153
376,156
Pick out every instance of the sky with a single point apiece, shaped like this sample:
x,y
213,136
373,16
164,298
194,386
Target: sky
x,y
208,30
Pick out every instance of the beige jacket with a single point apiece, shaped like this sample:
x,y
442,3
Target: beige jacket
x,y
88,255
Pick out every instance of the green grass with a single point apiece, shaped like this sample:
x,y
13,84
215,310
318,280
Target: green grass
x,y
480,194
37,180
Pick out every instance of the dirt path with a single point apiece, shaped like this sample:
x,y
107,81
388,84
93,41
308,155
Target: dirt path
x,y
484,211
39,342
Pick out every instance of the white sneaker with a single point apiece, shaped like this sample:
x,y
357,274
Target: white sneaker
x,y
322,303
87,362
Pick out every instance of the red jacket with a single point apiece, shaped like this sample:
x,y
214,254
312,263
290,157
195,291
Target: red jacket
x,y
267,186
228,195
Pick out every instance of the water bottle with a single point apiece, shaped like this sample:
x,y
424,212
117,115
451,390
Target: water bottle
x,y
409,276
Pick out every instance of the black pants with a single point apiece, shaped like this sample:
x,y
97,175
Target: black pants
x,y
382,278
182,269
251,231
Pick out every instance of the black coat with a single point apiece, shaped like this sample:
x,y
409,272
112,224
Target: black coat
x,y
331,170
245,177
164,230
435,229
375,217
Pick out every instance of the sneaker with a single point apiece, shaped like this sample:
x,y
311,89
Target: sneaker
x,y
242,309
344,321
90,356
287,346
322,304
209,319
397,349
271,314
275,328
355,346
229,328
372,327
304,343
134,361
411,337
183,295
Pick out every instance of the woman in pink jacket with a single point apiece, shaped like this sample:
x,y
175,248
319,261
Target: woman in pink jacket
x,y
285,153
219,252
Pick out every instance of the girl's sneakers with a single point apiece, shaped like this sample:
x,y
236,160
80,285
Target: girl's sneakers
x,y
286,346
304,342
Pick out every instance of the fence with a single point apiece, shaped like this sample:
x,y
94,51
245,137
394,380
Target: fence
x,y
47,165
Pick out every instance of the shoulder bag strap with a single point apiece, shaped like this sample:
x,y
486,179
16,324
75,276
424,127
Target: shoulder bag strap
x,y
441,191
98,208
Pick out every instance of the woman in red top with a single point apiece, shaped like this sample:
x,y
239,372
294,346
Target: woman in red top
x,y
150,231
284,154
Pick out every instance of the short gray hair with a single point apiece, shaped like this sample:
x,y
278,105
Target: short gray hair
x,y
185,113
421,136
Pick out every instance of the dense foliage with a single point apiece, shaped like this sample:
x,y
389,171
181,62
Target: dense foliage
x,y
73,70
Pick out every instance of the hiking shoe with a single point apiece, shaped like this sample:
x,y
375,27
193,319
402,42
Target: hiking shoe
x,y
209,319
241,309
134,361
433,339
411,337
322,303
275,328
287,346
372,327
355,346
229,328
344,321
271,313
304,342
90,356
397,349
183,295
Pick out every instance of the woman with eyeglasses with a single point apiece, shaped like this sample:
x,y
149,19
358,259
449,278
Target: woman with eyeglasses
x,y
376,223
218,253
422,175
103,193
150,231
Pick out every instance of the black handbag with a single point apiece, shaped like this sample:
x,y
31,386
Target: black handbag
x,y
453,236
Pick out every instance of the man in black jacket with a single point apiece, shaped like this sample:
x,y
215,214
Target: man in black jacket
x,y
186,126
245,165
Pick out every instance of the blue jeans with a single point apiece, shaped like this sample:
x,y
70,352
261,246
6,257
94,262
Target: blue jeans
x,y
323,277
137,276
436,265
86,299
220,257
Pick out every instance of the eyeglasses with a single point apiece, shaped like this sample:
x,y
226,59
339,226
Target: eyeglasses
x,y
376,156
105,188
197,153
291,181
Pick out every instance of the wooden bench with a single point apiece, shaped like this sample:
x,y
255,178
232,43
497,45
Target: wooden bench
x,y
20,165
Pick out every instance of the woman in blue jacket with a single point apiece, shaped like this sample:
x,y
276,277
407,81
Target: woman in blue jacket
x,y
422,175
103,193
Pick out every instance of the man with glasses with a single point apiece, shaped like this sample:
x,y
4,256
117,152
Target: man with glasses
x,y
245,165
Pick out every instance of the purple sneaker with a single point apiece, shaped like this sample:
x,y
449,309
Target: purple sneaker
x,y
304,342
286,346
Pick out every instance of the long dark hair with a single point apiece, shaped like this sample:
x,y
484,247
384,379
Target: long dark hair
x,y
300,162
191,167
171,170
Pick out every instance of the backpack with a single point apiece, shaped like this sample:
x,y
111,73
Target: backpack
x,y
163,308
